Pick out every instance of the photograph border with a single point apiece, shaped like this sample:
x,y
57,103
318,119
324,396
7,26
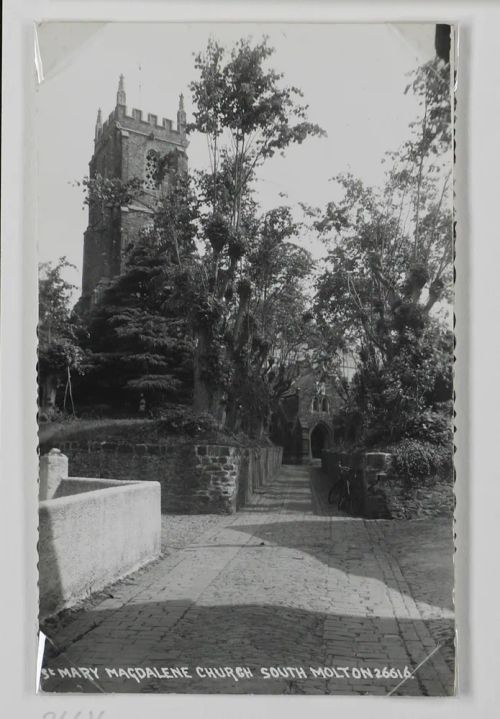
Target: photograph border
x,y
475,514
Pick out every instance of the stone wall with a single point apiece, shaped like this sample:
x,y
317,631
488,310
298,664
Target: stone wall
x,y
428,497
194,478
258,466
91,533
380,493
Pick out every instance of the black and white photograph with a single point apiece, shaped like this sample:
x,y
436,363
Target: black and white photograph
x,y
245,240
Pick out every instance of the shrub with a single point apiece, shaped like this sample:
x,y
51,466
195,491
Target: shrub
x,y
178,419
430,427
415,458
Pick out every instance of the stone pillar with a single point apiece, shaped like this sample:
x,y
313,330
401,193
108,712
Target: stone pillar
x,y
376,463
53,468
376,469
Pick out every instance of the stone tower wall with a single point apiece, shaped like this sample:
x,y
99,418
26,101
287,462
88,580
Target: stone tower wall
x,y
121,146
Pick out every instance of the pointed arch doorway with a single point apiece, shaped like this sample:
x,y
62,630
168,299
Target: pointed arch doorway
x,y
319,440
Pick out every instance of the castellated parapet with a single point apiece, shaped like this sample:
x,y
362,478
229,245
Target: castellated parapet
x,y
126,147
135,122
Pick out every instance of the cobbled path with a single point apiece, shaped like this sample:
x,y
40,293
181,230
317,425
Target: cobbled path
x,y
326,603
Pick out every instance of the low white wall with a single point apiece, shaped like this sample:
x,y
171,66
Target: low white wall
x,y
91,538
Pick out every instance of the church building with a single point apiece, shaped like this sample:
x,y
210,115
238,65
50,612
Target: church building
x,y
303,423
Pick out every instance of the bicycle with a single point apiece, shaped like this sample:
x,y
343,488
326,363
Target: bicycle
x,y
342,489
345,502
338,488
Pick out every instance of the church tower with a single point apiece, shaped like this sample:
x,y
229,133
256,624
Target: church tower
x,y
125,147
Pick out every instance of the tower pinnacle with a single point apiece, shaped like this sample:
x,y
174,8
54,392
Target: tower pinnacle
x,y
120,95
98,124
181,115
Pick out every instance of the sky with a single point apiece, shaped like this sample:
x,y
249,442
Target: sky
x,y
353,79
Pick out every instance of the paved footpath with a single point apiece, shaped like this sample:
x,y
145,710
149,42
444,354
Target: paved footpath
x,y
286,597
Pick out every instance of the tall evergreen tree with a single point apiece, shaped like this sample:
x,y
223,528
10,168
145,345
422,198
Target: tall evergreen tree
x,y
139,337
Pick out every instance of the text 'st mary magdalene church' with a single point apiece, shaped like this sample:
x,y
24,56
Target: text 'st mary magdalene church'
x,y
125,147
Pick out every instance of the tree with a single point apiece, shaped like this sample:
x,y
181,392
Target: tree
x,y
203,265
247,116
244,112
59,353
135,345
275,327
388,269
139,338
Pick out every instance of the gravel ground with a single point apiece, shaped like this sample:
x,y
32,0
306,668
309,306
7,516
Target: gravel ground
x,y
179,530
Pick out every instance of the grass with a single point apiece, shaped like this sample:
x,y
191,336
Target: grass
x,y
135,430
95,430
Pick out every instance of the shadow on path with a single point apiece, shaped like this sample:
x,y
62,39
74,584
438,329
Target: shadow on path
x,y
424,547
169,634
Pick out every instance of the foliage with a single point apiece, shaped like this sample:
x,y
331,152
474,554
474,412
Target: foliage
x,y
176,216
277,327
416,458
246,115
179,420
109,192
54,297
138,339
59,353
408,395
388,275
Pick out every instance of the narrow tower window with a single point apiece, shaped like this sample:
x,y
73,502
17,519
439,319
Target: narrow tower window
x,y
151,170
